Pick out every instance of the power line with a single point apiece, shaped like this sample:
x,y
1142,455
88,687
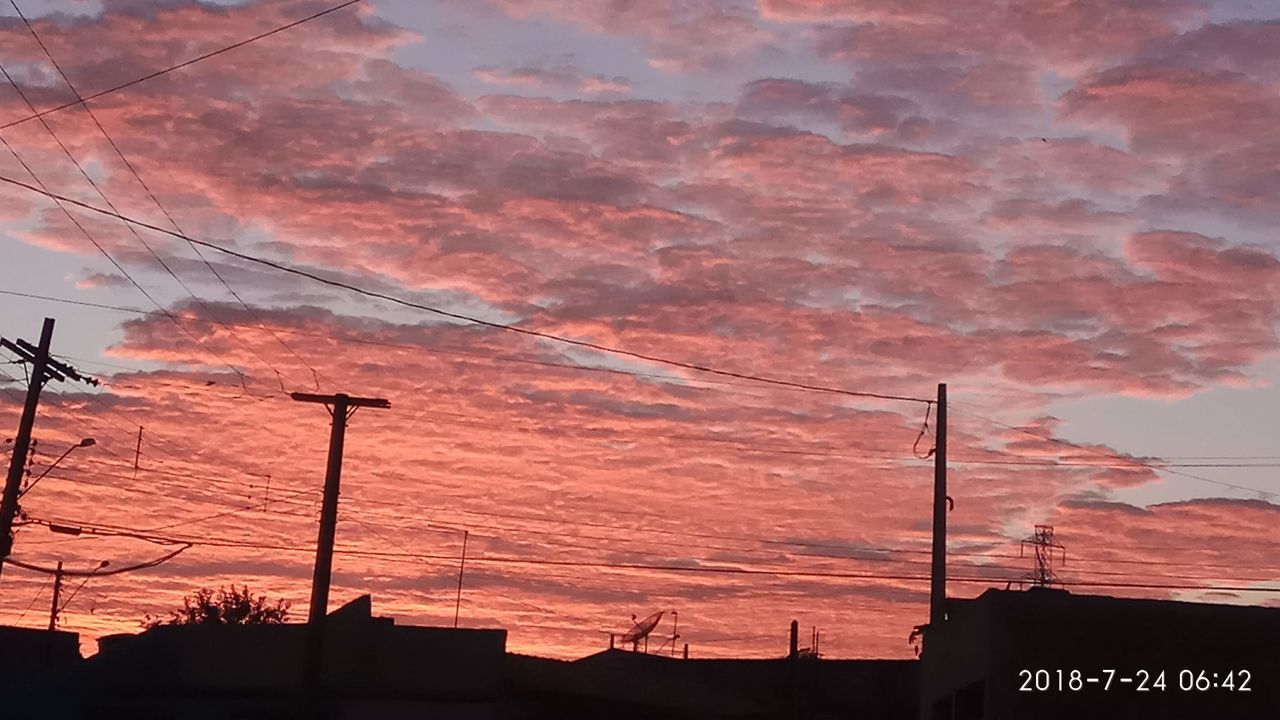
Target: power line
x,y
844,547
754,446
108,255
467,318
60,474
189,476
180,65
172,221
34,599
288,498
132,230
600,432
841,547
525,530
560,541
94,573
58,402
1128,460
419,348
188,453
684,569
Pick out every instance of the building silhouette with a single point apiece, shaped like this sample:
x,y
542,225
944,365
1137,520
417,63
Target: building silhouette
x,y
971,668
1012,654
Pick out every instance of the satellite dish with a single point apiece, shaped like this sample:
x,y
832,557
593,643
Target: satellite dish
x,y
642,629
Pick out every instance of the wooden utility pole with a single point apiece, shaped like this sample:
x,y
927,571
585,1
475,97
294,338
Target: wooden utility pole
x,y
341,407
43,369
57,595
938,574
137,453
457,606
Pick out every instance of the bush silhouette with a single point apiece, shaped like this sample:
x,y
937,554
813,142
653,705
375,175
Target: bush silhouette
x,y
224,607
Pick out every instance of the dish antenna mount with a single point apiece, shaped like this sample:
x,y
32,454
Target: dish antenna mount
x,y
640,631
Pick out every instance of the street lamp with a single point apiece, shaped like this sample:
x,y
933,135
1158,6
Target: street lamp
x,y
86,442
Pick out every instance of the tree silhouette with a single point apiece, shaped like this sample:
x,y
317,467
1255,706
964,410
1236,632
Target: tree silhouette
x,y
224,607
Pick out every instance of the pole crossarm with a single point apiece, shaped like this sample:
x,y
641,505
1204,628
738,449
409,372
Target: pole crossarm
x,y
352,402
53,369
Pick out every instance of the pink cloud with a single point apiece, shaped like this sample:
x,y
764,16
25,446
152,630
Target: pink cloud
x,y
565,77
740,234
676,36
1060,30
1171,110
829,102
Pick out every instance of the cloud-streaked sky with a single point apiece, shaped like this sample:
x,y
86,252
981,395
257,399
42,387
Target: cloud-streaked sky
x,y
1064,209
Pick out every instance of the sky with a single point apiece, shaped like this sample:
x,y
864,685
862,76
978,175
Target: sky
x,y
1062,209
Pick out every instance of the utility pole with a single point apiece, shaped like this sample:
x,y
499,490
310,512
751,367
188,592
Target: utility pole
x,y
457,607
57,595
137,453
341,407
938,571
43,369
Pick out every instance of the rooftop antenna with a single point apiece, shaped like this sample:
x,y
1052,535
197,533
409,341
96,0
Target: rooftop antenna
x,y
675,634
1042,540
813,652
675,631
641,630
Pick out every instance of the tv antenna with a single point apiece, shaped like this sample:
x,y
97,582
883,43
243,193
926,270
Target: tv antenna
x,y
1042,540
675,634
813,652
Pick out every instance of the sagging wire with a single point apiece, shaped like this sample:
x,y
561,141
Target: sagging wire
x,y
95,573
924,428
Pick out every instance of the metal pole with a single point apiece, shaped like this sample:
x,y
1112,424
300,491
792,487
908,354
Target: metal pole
x,y
675,631
457,607
938,573
22,444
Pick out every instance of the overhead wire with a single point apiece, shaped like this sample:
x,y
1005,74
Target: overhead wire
x,y
134,232
507,529
735,549
844,547
94,573
1117,456
684,381
461,317
34,600
564,540
179,66
151,194
692,367
59,402
756,446
89,236
700,569
560,539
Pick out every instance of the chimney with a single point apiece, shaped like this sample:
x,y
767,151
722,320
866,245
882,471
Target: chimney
x,y
795,641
